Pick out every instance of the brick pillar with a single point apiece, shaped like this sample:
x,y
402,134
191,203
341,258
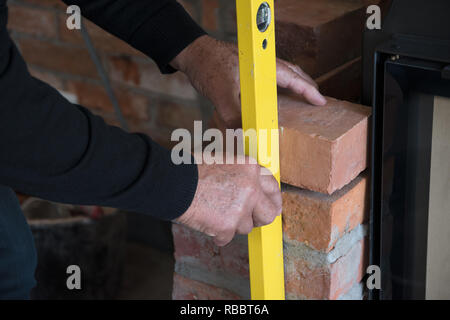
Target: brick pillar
x,y
325,208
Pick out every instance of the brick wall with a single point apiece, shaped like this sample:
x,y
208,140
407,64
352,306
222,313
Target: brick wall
x,y
324,233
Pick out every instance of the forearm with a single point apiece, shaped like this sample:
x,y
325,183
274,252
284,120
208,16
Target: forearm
x,y
61,152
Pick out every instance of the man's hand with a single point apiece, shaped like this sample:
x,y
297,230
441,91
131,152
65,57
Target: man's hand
x,y
232,198
213,69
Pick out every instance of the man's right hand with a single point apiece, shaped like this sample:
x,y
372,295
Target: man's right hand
x,y
232,198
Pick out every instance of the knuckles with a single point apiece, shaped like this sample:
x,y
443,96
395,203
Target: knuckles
x,y
268,219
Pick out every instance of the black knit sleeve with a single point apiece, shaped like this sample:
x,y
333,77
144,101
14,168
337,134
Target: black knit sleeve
x,y
160,29
58,151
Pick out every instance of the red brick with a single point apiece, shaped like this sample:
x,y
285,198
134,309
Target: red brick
x,y
322,148
93,95
56,57
188,289
125,70
319,220
146,75
33,21
102,40
306,280
319,35
227,17
344,82
209,14
199,250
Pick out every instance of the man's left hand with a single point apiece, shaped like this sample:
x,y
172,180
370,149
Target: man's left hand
x,y
212,66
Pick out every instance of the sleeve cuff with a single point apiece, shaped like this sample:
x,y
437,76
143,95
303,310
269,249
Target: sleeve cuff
x,y
165,35
176,185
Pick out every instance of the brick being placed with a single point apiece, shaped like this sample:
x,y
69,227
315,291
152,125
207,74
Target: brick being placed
x,y
322,148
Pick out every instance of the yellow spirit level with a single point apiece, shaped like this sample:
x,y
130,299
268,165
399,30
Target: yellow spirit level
x,y
257,61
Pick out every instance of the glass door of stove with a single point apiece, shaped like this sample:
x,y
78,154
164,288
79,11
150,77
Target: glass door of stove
x,y
415,182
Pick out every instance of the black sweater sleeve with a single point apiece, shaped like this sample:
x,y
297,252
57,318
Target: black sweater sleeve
x,y
58,151
158,28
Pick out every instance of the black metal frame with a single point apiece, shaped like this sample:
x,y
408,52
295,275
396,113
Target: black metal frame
x,y
426,78
414,35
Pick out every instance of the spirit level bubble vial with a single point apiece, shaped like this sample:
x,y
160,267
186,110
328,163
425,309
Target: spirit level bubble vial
x,y
257,61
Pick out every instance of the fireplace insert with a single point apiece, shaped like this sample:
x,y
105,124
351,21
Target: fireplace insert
x,y
407,81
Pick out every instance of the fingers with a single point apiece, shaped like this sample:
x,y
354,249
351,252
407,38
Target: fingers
x,y
269,204
223,238
264,212
295,68
245,225
229,110
290,79
302,74
233,199
271,188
